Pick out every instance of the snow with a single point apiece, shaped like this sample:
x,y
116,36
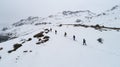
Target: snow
x,y
62,51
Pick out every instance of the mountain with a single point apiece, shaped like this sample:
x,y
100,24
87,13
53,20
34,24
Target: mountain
x,y
66,39
65,17
108,18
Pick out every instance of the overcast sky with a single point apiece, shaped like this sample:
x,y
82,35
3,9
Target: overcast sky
x,y
14,10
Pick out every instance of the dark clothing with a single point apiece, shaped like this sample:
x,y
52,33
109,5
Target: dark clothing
x,y
100,40
65,34
73,37
51,29
55,31
84,42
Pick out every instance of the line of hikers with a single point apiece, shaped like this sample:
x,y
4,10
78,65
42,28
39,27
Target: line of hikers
x,y
74,38
100,40
84,41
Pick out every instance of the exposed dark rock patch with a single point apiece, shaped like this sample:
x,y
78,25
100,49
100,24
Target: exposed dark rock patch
x,y
38,43
39,35
96,27
29,39
46,31
60,25
43,23
46,37
5,28
15,47
25,51
78,20
4,38
1,48
30,51
43,40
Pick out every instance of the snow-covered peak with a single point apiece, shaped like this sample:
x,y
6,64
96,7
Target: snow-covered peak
x,y
79,13
109,17
82,15
115,9
29,20
72,14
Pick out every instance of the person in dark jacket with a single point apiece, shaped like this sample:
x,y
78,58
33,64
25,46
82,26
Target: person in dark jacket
x,y
100,40
65,34
51,29
84,42
73,37
55,31
0,57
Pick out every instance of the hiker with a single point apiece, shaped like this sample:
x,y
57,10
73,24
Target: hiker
x,y
51,29
84,42
55,31
100,40
65,34
73,37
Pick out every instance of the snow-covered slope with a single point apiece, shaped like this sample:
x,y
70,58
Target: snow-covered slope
x,y
62,51
65,17
34,42
109,18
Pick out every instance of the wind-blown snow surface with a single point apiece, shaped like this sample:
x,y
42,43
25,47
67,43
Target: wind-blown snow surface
x,y
62,51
